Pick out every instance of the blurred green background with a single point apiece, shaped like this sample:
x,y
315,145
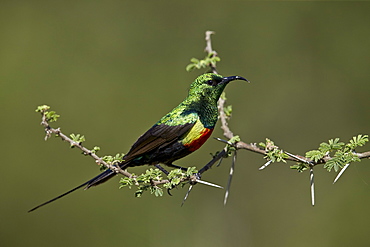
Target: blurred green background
x,y
113,68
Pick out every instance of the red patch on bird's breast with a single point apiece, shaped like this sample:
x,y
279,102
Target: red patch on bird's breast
x,y
197,143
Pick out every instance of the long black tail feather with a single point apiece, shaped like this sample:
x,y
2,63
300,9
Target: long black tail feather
x,y
58,197
102,177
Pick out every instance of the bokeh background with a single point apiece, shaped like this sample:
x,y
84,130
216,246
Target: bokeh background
x,y
113,68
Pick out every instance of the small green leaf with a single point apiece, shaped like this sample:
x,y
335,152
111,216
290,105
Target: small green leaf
x,y
209,61
300,167
357,141
139,193
203,63
217,59
223,96
228,110
156,191
42,108
77,138
95,149
190,67
262,144
191,171
125,181
51,116
315,155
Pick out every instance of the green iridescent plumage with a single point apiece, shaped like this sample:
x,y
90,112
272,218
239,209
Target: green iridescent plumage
x,y
177,134
201,102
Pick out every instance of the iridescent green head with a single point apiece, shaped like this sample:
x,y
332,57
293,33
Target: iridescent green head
x,y
210,86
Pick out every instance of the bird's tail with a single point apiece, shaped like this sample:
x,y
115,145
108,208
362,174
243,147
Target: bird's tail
x,y
101,178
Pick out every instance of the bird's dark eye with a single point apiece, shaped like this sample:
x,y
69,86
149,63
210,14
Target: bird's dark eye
x,y
211,82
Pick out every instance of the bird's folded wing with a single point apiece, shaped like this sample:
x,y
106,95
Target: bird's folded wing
x,y
157,136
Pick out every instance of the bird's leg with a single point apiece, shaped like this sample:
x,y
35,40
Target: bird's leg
x,y
165,172
170,165
219,156
197,176
162,169
177,167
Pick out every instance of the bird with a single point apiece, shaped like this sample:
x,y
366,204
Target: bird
x,y
177,134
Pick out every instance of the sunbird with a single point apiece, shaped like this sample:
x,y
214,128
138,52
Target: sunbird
x,y
177,134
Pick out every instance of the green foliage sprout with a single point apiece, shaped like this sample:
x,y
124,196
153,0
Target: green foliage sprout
x,y
176,176
118,158
338,153
50,116
144,181
231,149
77,139
209,61
273,153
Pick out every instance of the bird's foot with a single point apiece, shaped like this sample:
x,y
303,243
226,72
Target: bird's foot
x,y
195,178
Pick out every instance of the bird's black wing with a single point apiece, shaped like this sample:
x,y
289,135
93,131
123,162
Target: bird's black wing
x,y
160,135
157,136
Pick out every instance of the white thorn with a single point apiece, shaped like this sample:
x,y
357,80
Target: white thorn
x,y
265,165
298,158
187,194
224,141
312,183
232,168
340,173
208,183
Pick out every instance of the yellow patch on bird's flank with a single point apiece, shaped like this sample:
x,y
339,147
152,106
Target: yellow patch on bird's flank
x,y
196,136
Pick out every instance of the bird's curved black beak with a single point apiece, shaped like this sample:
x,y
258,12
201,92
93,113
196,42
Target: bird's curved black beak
x,y
232,78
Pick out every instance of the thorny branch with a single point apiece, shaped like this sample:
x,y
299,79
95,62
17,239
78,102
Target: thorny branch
x,y
221,106
253,146
210,51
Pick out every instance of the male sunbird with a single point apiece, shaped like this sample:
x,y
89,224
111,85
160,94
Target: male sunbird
x,y
179,133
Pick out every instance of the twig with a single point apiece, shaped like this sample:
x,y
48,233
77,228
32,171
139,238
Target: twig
x,y
223,119
209,50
